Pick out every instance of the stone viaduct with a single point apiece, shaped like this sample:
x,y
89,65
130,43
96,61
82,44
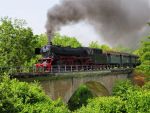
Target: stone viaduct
x,y
63,85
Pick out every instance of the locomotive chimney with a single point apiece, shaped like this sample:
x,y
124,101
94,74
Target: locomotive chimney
x,y
49,35
49,38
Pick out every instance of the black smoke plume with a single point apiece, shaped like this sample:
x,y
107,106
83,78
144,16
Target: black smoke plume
x,y
118,21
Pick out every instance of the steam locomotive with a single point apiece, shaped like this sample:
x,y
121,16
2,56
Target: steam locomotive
x,y
53,55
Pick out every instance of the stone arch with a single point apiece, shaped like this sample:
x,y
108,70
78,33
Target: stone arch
x,y
96,88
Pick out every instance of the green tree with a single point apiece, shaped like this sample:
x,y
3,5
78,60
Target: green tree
x,y
17,43
146,86
79,98
103,105
121,48
42,40
94,45
65,41
144,53
58,39
98,46
127,99
122,87
106,48
22,97
136,99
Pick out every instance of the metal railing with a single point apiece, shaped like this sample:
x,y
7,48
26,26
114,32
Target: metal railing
x,y
60,69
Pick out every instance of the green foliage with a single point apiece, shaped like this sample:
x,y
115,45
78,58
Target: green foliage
x,y
79,98
121,48
94,45
122,87
46,107
98,46
146,86
144,53
42,40
65,41
59,40
17,43
138,101
106,48
104,105
127,99
21,97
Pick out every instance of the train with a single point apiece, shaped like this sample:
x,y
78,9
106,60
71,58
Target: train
x,y
54,55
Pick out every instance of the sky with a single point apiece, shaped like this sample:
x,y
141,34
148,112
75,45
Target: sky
x,y
35,14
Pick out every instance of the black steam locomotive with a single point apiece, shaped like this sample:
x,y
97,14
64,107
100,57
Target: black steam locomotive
x,y
57,55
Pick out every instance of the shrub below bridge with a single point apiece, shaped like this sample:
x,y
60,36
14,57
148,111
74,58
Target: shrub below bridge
x,y
127,99
103,105
22,97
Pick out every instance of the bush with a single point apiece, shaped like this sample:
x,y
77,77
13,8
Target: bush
x,y
22,97
137,99
144,68
79,98
130,99
144,54
46,107
16,97
138,102
104,105
146,86
122,87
